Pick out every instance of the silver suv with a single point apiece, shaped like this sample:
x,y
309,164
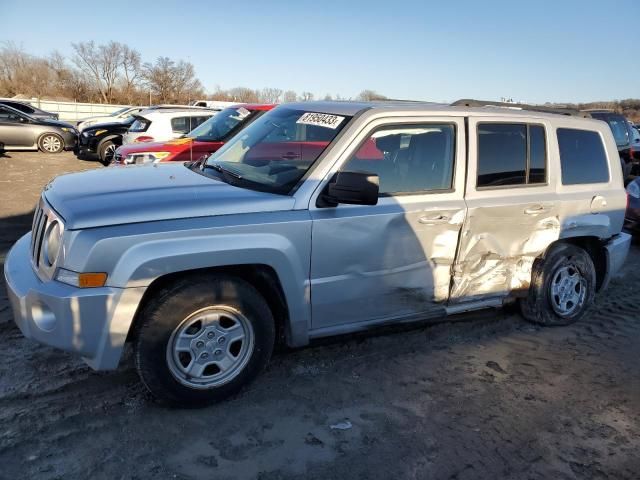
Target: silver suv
x,y
320,219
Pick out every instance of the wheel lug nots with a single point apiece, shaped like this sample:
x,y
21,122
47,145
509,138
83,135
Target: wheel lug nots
x,y
211,335
204,355
221,340
217,352
199,344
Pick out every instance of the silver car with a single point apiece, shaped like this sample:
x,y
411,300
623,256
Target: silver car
x,y
19,131
320,219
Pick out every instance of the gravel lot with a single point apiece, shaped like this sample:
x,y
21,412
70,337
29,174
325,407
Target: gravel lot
x,y
487,396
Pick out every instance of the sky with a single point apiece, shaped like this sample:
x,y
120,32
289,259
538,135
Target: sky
x,y
442,50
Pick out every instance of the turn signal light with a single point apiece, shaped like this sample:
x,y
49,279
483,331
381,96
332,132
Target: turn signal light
x,y
91,280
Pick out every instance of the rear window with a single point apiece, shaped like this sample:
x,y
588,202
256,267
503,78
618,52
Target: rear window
x,y
511,154
583,158
140,125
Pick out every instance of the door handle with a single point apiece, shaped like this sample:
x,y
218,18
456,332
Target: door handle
x,y
433,220
535,209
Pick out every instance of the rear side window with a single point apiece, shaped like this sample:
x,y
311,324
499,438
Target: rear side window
x,y
186,124
583,158
511,154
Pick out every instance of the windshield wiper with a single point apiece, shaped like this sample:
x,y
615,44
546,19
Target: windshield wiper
x,y
219,168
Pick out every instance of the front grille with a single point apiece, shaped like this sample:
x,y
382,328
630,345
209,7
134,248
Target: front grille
x,y
37,234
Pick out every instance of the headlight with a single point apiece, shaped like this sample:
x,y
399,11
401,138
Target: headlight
x,y
145,157
69,130
99,132
81,280
52,243
633,189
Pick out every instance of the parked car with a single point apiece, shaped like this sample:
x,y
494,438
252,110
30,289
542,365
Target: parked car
x,y
320,219
632,214
203,140
19,131
121,115
161,125
216,104
100,141
622,133
30,110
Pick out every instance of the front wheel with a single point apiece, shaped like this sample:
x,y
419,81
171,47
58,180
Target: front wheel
x,y
51,143
202,339
106,152
562,286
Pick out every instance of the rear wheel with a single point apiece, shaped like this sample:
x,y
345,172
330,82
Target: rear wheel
x,y
562,286
106,152
202,339
51,143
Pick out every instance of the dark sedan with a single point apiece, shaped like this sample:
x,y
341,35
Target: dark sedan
x,y
100,141
19,131
30,110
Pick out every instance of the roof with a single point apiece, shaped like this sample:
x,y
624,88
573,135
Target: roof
x,y
254,106
351,108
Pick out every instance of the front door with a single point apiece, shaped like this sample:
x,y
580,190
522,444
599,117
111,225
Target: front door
x,y
15,132
512,207
393,260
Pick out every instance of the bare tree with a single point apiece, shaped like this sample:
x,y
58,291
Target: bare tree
x,y
306,97
270,95
370,95
101,63
172,82
289,96
244,94
131,69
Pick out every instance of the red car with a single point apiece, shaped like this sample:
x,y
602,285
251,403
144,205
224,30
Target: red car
x,y
203,140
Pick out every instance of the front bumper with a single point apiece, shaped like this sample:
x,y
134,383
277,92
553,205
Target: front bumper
x,y
92,322
70,140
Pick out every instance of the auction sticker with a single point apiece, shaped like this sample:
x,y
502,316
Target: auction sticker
x,y
321,120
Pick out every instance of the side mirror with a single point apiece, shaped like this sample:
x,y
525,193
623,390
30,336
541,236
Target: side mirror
x,y
355,188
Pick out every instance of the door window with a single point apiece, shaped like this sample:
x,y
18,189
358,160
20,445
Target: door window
x,y
408,158
511,154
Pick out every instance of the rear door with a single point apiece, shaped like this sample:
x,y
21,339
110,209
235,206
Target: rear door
x,y
391,261
512,207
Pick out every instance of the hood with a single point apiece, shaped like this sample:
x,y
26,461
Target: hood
x,y
145,193
106,126
53,123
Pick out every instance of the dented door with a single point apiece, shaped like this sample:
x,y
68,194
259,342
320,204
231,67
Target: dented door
x,y
392,260
512,214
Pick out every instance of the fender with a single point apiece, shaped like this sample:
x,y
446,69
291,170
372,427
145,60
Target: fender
x,y
162,248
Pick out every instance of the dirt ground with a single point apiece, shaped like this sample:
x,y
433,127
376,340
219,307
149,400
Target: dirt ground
x,y
487,396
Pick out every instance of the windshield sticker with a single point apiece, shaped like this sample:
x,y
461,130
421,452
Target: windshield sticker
x,y
243,112
321,120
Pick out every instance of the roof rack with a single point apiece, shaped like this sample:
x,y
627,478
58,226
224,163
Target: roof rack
x,y
468,102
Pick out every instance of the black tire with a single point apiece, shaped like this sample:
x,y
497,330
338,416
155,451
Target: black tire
x,y
167,310
46,141
538,306
103,152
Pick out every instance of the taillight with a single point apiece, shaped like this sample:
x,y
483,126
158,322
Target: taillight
x,y
144,138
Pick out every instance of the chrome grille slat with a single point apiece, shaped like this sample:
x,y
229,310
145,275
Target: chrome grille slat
x,y
38,236
34,226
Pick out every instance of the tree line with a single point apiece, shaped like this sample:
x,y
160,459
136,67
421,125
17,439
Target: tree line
x,y
115,73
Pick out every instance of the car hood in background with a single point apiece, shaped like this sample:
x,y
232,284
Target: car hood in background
x,y
145,193
105,125
53,123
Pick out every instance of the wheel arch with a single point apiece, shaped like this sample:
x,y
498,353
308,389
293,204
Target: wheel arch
x,y
594,247
261,276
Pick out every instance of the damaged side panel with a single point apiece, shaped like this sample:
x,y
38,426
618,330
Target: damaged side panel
x,y
498,246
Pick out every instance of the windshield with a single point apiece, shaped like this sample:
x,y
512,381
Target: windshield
x,y
276,150
118,112
219,126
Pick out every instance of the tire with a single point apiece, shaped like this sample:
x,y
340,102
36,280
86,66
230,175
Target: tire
x,y
51,143
106,151
563,286
177,329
